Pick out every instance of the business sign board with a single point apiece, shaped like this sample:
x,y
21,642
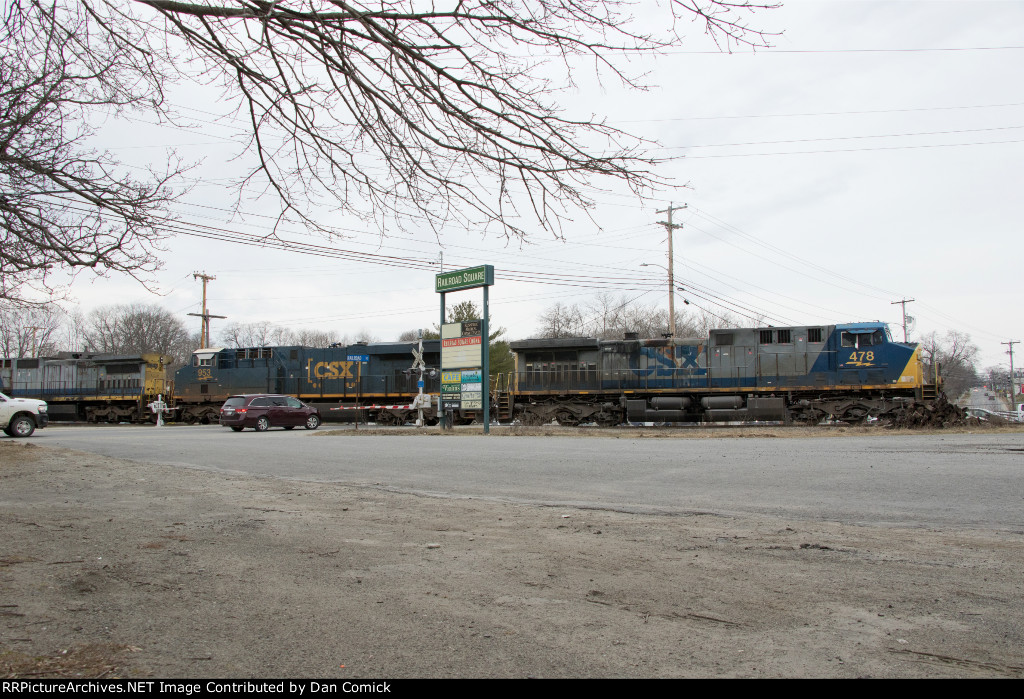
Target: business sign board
x,y
462,384
461,345
469,278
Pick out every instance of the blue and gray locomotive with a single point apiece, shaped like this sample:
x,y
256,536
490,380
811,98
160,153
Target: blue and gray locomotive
x,y
362,381
799,374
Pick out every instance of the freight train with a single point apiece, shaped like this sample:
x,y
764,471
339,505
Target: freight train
x,y
798,374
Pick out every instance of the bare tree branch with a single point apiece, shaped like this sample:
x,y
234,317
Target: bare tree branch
x,y
436,113
63,204
403,113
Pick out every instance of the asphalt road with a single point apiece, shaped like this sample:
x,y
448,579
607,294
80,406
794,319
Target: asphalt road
x,y
962,480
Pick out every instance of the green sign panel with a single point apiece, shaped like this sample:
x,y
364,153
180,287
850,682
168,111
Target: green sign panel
x,y
469,278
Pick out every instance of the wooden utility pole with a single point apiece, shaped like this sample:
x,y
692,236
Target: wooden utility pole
x,y
204,333
903,302
669,226
1013,392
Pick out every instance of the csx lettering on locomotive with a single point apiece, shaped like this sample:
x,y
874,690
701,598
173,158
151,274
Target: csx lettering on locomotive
x,y
333,370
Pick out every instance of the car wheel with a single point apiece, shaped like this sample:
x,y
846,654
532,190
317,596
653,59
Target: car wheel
x,y
262,425
312,422
21,426
237,429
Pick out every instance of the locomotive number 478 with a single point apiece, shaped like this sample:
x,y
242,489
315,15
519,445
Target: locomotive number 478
x,y
861,358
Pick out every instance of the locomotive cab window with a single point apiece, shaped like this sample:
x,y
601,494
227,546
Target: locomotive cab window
x,y
861,340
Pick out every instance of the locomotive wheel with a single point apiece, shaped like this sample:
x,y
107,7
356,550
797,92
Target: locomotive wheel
x,y
607,419
530,419
566,418
855,415
262,425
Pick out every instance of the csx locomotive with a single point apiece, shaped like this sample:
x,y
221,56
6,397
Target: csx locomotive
x,y
792,374
362,381
89,386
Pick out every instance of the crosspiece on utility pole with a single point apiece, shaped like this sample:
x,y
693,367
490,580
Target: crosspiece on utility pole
x,y
903,302
205,315
669,226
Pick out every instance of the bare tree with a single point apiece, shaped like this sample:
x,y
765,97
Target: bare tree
x,y
954,356
562,320
32,331
62,204
366,336
392,111
608,317
258,334
138,328
317,338
437,110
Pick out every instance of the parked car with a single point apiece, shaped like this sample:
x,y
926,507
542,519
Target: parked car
x,y
261,411
20,417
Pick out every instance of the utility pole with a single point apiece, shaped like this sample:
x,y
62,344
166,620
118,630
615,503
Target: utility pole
x,y
1013,393
205,315
903,302
669,226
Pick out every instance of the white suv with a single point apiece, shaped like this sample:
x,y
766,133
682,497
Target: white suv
x,y
19,417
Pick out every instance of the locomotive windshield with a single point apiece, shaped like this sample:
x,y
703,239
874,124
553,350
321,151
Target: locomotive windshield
x,y
863,338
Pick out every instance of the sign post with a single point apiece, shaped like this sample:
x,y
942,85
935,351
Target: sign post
x,y
465,347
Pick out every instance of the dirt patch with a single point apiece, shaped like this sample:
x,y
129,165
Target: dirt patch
x,y
117,568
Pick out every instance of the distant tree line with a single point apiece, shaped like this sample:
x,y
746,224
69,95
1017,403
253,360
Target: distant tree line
x,y
610,317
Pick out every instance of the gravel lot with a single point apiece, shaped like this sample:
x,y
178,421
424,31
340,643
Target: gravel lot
x,y
117,568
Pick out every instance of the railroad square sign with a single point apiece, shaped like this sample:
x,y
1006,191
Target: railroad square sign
x,y
469,278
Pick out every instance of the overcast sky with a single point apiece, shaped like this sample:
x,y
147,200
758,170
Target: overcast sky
x,y
873,155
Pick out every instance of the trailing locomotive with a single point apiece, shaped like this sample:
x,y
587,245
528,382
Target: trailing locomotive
x,y
89,386
370,382
797,374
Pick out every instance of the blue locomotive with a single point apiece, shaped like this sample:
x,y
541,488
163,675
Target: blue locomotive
x,y
789,374
361,381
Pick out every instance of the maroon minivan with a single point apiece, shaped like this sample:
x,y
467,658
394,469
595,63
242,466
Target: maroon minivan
x,y
261,411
